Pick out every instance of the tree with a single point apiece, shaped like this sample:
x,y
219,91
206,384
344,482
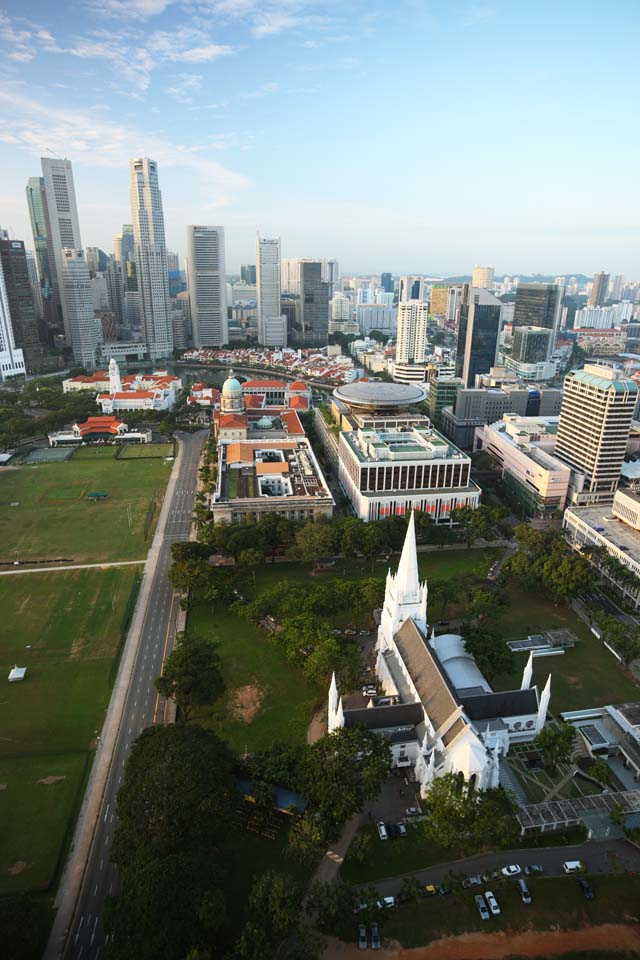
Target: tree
x,y
192,674
624,640
315,540
361,847
275,902
351,537
465,819
253,943
344,769
307,840
333,902
484,607
488,649
555,743
600,771
379,336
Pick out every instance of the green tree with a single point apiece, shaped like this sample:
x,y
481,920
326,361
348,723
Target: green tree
x,y
275,903
361,847
307,840
253,943
334,902
485,607
556,743
451,815
351,537
192,674
488,649
315,540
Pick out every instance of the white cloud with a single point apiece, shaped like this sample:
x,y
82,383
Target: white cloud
x,y
262,91
138,9
272,22
184,85
480,14
313,43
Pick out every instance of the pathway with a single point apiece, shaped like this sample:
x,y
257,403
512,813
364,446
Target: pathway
x,y
73,566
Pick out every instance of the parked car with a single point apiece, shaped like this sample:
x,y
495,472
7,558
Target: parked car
x,y
511,871
364,633
492,903
525,896
443,890
482,907
586,888
573,866
412,811
375,936
474,881
402,830
363,943
382,831
430,890
350,633
385,902
534,869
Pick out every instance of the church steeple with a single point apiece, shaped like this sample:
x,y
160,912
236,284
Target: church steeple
x,y
407,577
405,597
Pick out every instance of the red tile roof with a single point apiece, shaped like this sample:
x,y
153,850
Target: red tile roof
x,y
232,421
292,423
264,384
299,385
299,403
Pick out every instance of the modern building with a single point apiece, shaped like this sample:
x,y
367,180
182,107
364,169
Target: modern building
x,y
36,290
248,274
151,257
411,336
331,276
63,226
272,324
22,311
539,305
124,244
521,446
604,318
482,277
439,299
207,286
84,330
599,290
616,287
595,420
477,406
302,280
372,316
442,393
47,275
478,333
11,357
530,344
386,282
437,710
412,288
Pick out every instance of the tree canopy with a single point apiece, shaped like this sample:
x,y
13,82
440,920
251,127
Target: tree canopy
x,y
191,674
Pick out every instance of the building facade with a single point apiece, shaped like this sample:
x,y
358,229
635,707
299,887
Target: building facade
x,y
272,324
539,305
47,275
19,293
599,290
63,226
482,277
207,286
411,337
84,328
11,357
478,333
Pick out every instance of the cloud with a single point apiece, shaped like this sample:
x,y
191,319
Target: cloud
x,y
313,43
479,15
266,24
185,46
263,91
138,9
185,84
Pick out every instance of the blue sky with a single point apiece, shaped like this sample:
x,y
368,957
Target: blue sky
x,y
418,135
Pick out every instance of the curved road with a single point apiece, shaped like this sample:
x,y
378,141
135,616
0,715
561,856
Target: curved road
x,y
142,707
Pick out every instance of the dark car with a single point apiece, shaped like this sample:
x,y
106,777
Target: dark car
x,y
443,890
534,869
363,943
375,936
475,881
585,886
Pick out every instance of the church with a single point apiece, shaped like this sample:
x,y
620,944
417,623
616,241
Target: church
x,y
437,710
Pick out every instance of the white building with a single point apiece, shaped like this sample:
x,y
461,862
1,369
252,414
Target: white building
x,y
438,711
207,286
603,318
412,288
151,257
272,324
340,308
482,277
375,316
411,341
63,224
11,358
84,331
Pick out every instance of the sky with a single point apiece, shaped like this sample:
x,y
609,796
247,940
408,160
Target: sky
x,y
413,136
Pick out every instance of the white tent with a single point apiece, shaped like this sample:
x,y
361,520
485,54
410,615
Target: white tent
x,y
17,674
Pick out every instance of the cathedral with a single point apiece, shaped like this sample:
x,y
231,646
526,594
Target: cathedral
x,y
437,710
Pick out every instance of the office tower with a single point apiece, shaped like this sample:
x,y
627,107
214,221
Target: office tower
x,y
598,403
62,212
11,357
453,305
302,278
599,289
114,277
151,257
207,286
173,261
331,275
34,280
439,299
96,259
340,307
383,299
539,305
123,244
132,300
411,338
47,276
22,311
478,332
85,332
248,274
482,277
442,393
272,324
530,344
181,318
386,282
616,287
412,288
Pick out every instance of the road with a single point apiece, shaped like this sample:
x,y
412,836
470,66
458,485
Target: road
x,y
142,708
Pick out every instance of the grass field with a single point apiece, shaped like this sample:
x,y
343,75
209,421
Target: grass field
x,y
142,451
53,518
65,628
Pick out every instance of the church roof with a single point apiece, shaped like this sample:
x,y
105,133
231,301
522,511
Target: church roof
x,y
510,703
430,680
456,727
376,718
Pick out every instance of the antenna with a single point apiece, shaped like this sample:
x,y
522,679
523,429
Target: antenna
x,y
53,153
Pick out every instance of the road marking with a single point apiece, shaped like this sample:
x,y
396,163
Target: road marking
x,y
102,863
79,928
106,813
110,887
95,892
111,819
164,653
94,930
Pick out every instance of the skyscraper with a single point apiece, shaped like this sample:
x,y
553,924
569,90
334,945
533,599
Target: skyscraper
x,y
411,337
386,282
598,403
63,223
331,275
478,332
599,290
302,278
482,277
123,244
412,288
530,344
20,300
151,257
47,276
85,330
439,299
207,286
539,305
11,358
248,274
272,324
34,280
616,287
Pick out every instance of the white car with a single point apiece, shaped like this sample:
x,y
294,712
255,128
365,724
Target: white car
x,y
482,907
382,830
386,902
492,903
511,871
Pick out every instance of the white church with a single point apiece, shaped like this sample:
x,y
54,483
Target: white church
x,y
438,711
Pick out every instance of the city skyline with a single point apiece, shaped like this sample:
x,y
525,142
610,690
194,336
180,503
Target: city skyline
x,y
499,170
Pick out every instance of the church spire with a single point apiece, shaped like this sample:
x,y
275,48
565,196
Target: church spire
x,y
407,576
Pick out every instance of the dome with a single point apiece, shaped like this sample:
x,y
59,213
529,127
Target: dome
x,y
231,387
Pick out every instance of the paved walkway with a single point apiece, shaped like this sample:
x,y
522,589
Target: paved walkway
x,y
73,566
333,859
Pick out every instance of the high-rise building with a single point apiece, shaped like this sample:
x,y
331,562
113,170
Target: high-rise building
x,y
599,290
482,277
478,332
442,393
64,226
151,257
20,300
11,357
173,261
96,260
340,307
85,330
123,244
331,275
386,282
411,338
530,344
439,299
302,278
34,280
248,274
272,324
412,288
207,286
47,276
616,286
598,404
539,305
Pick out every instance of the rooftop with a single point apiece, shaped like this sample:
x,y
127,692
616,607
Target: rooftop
x,y
392,443
269,468
600,519
374,395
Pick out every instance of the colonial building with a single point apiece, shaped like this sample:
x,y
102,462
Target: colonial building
x,y
98,430
438,711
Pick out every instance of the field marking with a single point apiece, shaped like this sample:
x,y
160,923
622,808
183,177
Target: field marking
x,y
75,566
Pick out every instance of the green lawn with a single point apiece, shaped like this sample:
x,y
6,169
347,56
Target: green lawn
x,y
395,856
557,903
267,698
138,451
41,515
585,676
107,452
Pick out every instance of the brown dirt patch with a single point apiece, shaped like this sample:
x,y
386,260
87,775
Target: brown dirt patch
x,y
574,681
76,648
3,786
49,780
609,938
18,867
246,701
318,726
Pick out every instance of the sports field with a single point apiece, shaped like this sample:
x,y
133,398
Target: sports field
x,y
65,628
45,512
143,451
